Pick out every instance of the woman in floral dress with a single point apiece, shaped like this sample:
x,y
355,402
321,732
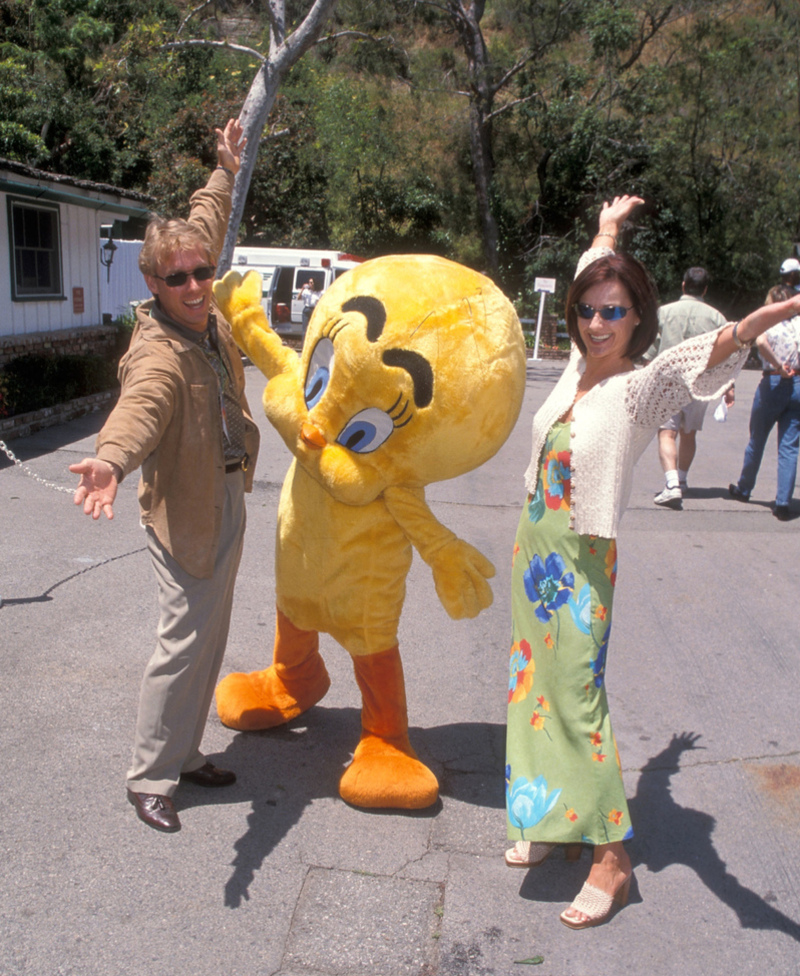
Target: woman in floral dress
x,y
563,778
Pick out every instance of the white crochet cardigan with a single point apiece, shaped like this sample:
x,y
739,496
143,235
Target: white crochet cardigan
x,y
614,422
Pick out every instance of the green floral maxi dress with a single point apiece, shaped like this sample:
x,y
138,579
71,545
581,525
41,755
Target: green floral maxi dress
x,y
563,778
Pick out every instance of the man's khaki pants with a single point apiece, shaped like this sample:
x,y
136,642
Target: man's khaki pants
x,y
180,678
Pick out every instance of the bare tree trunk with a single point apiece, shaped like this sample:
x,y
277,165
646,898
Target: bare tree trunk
x,y
466,15
284,53
480,144
254,115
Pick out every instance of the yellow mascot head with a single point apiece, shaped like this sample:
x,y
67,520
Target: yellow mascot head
x,y
412,371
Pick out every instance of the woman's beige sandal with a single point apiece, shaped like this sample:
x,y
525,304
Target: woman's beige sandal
x,y
529,854
596,905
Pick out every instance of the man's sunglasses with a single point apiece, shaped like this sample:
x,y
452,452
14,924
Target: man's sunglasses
x,y
608,313
179,278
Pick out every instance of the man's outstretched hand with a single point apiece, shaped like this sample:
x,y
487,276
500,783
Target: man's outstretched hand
x,y
97,488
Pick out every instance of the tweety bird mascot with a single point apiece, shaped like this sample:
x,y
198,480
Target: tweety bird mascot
x,y
412,371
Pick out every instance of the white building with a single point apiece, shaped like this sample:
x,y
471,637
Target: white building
x,y
52,278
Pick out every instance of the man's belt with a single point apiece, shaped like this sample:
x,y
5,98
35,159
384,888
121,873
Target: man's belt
x,y
241,465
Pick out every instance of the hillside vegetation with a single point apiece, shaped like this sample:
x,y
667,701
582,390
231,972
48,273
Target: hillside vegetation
x,y
487,132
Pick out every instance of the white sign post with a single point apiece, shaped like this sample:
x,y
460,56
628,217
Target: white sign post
x,y
543,286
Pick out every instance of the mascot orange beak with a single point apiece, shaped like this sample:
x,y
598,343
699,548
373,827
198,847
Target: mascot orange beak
x,y
312,436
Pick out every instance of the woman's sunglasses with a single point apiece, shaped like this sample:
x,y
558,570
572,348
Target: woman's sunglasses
x,y
608,313
181,277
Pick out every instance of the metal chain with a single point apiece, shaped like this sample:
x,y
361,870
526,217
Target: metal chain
x,y
32,474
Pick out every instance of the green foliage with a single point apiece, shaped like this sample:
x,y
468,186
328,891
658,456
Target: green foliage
x,y
17,139
124,326
346,157
612,28
693,106
72,82
286,206
34,381
16,142
5,401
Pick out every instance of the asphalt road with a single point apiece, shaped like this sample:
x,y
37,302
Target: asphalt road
x,y
277,875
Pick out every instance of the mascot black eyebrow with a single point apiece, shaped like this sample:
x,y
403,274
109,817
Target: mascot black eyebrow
x,y
412,371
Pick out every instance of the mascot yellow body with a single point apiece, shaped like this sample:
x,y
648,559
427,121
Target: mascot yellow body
x,y
412,371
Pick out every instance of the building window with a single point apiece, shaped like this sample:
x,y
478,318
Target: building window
x,y
35,251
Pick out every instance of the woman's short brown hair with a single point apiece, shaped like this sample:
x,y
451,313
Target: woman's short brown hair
x,y
163,238
644,294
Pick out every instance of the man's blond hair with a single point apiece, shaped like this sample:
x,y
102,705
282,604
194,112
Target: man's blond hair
x,y
163,238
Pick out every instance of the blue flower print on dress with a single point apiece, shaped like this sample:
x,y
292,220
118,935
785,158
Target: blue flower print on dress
x,y
536,505
547,583
599,663
580,607
528,802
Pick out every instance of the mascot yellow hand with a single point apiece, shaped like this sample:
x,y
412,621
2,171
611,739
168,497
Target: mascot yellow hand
x,y
459,575
412,371
239,300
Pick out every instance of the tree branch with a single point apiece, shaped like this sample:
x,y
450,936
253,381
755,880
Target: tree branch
x,y
515,69
178,45
645,36
196,10
512,104
272,136
355,33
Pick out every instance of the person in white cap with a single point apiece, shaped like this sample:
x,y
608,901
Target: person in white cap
x,y
790,273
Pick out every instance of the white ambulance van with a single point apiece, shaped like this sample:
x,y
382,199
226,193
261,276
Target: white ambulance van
x,y
284,272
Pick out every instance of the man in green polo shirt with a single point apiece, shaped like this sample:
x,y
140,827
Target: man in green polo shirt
x,y
677,440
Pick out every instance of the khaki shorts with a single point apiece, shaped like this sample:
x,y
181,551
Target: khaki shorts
x,y
689,419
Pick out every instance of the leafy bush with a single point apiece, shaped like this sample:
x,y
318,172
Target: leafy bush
x,y
35,381
124,325
4,402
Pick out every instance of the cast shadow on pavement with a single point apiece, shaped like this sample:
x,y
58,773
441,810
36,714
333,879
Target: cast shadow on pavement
x,y
672,834
667,834
284,770
46,596
720,494
52,439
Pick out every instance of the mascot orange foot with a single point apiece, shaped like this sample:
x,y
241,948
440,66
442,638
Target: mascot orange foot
x,y
297,680
385,771
412,371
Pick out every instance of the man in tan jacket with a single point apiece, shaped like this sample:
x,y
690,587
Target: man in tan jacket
x,y
183,417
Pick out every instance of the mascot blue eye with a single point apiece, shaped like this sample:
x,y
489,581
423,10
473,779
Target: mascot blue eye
x,y
319,372
366,431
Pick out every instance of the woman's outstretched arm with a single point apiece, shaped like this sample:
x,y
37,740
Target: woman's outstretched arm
x,y
737,334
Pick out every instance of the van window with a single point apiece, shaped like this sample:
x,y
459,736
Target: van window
x,y
302,275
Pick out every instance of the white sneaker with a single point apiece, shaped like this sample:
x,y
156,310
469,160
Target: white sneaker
x,y
670,498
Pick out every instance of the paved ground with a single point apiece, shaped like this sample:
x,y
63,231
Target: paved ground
x,y
278,876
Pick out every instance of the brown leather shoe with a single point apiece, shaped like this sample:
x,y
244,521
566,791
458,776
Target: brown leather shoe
x,y
209,775
155,810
